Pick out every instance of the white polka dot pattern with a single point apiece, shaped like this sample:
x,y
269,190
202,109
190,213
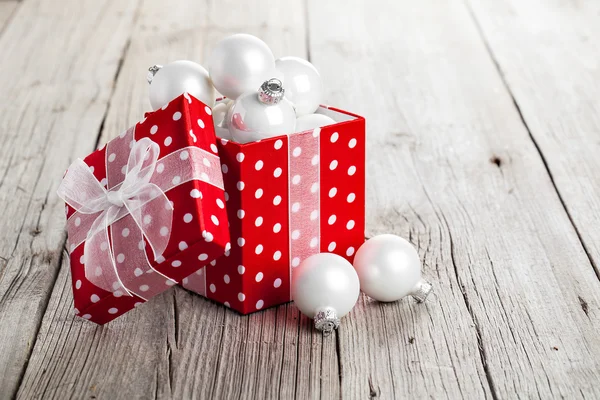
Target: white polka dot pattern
x,y
261,212
263,248
172,129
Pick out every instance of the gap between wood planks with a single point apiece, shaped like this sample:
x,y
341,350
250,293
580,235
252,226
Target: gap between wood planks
x,y
64,243
498,161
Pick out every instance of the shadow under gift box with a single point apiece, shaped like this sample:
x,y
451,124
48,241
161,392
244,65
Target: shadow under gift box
x,y
287,197
199,232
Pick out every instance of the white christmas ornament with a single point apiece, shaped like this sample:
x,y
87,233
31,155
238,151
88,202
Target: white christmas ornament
x,y
325,287
312,121
240,63
255,116
219,114
302,84
389,269
170,81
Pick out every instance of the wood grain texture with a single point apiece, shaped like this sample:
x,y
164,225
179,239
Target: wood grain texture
x,y
58,71
550,60
197,349
452,167
468,107
7,10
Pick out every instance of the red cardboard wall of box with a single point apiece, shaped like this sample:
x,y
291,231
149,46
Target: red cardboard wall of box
x,y
287,197
284,199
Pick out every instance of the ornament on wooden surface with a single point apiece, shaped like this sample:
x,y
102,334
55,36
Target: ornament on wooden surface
x,y
255,116
389,269
325,287
176,78
239,64
302,81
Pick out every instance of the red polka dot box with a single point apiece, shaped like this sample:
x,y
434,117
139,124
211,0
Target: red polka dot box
x,y
287,198
167,203
145,211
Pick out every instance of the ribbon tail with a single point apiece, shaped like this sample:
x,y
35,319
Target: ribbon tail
x,y
99,260
154,218
135,270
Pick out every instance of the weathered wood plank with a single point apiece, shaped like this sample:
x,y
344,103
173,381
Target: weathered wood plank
x,y
197,349
7,10
452,167
57,78
549,57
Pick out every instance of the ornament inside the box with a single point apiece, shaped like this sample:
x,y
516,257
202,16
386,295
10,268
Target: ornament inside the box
x,y
264,97
176,78
259,116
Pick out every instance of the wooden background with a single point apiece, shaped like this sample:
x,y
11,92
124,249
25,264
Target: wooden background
x,y
484,133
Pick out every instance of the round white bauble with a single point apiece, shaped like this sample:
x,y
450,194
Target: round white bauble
x,y
389,269
325,287
302,82
219,114
178,77
240,63
312,121
250,119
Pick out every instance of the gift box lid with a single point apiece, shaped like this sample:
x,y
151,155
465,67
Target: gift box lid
x,y
174,152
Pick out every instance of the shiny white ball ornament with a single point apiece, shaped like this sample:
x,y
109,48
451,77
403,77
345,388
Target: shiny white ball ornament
x,y
312,121
240,63
325,287
389,269
178,77
302,83
260,115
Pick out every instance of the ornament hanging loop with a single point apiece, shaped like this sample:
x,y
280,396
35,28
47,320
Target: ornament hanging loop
x,y
152,71
271,91
422,290
326,320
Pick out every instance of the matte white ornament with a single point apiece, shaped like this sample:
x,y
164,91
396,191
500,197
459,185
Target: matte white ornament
x,y
255,116
240,63
172,80
325,287
312,121
302,82
389,269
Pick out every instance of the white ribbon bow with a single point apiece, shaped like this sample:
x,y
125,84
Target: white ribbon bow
x,y
126,217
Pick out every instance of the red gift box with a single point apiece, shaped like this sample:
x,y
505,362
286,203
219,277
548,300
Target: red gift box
x,y
288,197
156,186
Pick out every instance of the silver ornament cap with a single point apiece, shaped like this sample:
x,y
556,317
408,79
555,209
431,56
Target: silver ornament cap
x,y
152,71
271,91
422,290
326,320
